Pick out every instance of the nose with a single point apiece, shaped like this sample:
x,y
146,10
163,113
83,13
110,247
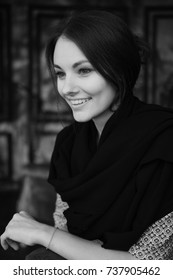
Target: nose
x,y
69,86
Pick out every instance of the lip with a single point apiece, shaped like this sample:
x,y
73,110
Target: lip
x,y
78,102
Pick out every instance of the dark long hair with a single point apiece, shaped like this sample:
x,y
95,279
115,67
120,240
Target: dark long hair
x,y
108,44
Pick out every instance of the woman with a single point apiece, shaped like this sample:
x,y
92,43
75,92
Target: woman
x,y
113,167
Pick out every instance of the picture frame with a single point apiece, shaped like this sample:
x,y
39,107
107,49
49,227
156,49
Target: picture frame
x,y
5,63
159,72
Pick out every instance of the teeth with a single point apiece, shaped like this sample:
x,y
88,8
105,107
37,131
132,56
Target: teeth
x,y
79,101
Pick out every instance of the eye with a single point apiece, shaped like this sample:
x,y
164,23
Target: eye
x,y
60,74
84,71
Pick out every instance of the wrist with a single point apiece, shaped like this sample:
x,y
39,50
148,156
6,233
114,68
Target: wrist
x,y
45,235
50,241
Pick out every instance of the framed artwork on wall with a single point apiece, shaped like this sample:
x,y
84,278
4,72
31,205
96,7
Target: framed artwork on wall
x,y
45,103
5,69
159,74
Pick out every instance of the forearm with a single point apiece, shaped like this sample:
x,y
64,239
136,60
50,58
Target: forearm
x,y
73,247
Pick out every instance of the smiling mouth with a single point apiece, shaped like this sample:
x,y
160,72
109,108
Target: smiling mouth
x,y
78,102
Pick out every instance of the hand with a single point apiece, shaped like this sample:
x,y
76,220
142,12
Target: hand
x,y
22,229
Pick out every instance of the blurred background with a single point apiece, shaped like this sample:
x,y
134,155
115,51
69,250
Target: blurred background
x,y
31,114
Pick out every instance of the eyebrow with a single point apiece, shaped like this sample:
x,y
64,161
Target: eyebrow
x,y
76,64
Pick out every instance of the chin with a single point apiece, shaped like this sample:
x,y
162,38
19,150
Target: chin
x,y
81,118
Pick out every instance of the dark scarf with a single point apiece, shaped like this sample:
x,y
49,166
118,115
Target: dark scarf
x,y
118,188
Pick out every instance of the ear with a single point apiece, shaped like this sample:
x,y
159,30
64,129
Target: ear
x,y
116,102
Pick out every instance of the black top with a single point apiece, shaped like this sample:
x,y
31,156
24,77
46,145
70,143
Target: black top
x,y
118,188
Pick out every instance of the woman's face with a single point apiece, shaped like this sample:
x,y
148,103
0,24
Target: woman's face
x,y
88,94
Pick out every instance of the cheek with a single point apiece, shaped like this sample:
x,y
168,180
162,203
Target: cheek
x,y
93,85
101,90
59,87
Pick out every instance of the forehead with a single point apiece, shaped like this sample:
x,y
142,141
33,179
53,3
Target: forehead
x,y
66,51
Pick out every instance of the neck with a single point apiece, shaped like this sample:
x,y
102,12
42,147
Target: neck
x,y
101,121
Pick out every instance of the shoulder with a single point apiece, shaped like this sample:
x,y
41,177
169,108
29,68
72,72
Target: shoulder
x,y
152,118
154,110
158,122
154,124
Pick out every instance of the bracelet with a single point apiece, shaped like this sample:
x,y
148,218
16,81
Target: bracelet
x,y
51,238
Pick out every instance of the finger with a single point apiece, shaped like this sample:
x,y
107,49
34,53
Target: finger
x,y
4,243
13,244
15,217
24,213
22,245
